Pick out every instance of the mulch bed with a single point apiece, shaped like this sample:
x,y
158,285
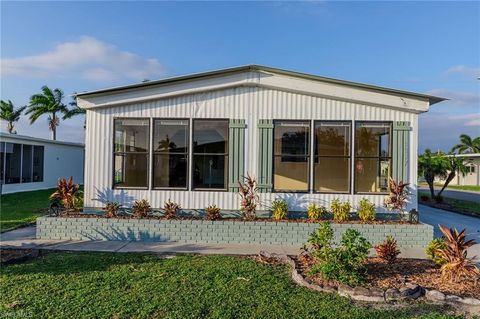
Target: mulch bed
x,y
405,270
260,219
10,256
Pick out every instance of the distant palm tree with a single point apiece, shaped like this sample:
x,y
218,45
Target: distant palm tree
x,y
467,145
74,111
48,102
9,114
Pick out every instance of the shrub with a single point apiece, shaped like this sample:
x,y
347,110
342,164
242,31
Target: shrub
x,y
388,251
457,265
344,263
279,209
315,212
141,208
213,212
424,198
432,249
171,208
249,198
366,210
397,195
340,210
111,209
67,193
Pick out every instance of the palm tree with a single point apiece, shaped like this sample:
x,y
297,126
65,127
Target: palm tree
x,y
9,114
74,111
47,102
467,145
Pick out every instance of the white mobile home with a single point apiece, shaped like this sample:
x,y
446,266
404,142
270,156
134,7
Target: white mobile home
x,y
30,163
305,138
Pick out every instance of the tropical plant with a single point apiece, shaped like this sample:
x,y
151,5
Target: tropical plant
x,y
249,198
344,263
171,209
74,110
388,250
467,145
457,264
141,208
454,165
366,210
67,193
10,114
213,212
432,165
315,212
397,195
279,209
340,210
48,102
433,247
111,209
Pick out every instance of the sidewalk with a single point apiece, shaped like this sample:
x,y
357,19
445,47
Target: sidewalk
x,y
25,238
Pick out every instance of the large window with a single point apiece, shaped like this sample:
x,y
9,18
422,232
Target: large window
x,y
170,158
291,156
372,156
332,157
21,163
210,154
131,152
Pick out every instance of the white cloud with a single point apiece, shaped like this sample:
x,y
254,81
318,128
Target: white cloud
x,y
468,119
457,97
465,70
88,58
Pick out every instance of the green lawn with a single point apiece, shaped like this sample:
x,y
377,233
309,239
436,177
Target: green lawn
x,y
465,187
20,209
115,285
453,204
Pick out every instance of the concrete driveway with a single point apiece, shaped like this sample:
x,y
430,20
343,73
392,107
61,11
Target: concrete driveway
x,y
455,194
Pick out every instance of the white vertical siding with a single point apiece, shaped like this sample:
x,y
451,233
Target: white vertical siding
x,y
249,103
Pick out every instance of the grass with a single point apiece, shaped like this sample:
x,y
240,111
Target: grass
x,y
454,204
455,187
20,209
115,285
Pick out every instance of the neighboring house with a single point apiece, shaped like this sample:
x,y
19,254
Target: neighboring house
x,y
305,138
472,176
30,163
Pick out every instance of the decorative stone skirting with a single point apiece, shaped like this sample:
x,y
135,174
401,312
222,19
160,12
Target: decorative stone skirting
x,y
221,231
409,291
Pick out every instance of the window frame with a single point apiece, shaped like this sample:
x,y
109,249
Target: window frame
x,y
390,157
187,154
148,153
350,156
226,155
309,156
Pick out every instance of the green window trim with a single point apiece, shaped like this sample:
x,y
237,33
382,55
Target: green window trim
x,y
236,154
265,156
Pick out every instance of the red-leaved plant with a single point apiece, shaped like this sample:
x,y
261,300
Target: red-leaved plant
x,y
141,208
67,193
457,265
397,195
388,250
249,198
171,208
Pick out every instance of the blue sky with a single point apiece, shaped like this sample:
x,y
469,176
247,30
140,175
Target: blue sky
x,y
427,47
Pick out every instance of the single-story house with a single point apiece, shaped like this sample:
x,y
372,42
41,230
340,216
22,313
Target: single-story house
x,y
472,175
30,163
305,138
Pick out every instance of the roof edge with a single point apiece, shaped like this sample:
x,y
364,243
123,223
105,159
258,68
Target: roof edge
x,y
38,139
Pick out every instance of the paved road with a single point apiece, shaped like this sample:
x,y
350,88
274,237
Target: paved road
x,y
456,194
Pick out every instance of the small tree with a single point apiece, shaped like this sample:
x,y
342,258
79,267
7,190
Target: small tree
x,y
10,114
430,166
455,165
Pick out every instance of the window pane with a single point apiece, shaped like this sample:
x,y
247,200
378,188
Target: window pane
x,y
209,171
170,136
170,170
27,163
291,138
131,135
371,175
332,174
13,162
372,139
291,175
332,138
210,136
131,170
38,163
